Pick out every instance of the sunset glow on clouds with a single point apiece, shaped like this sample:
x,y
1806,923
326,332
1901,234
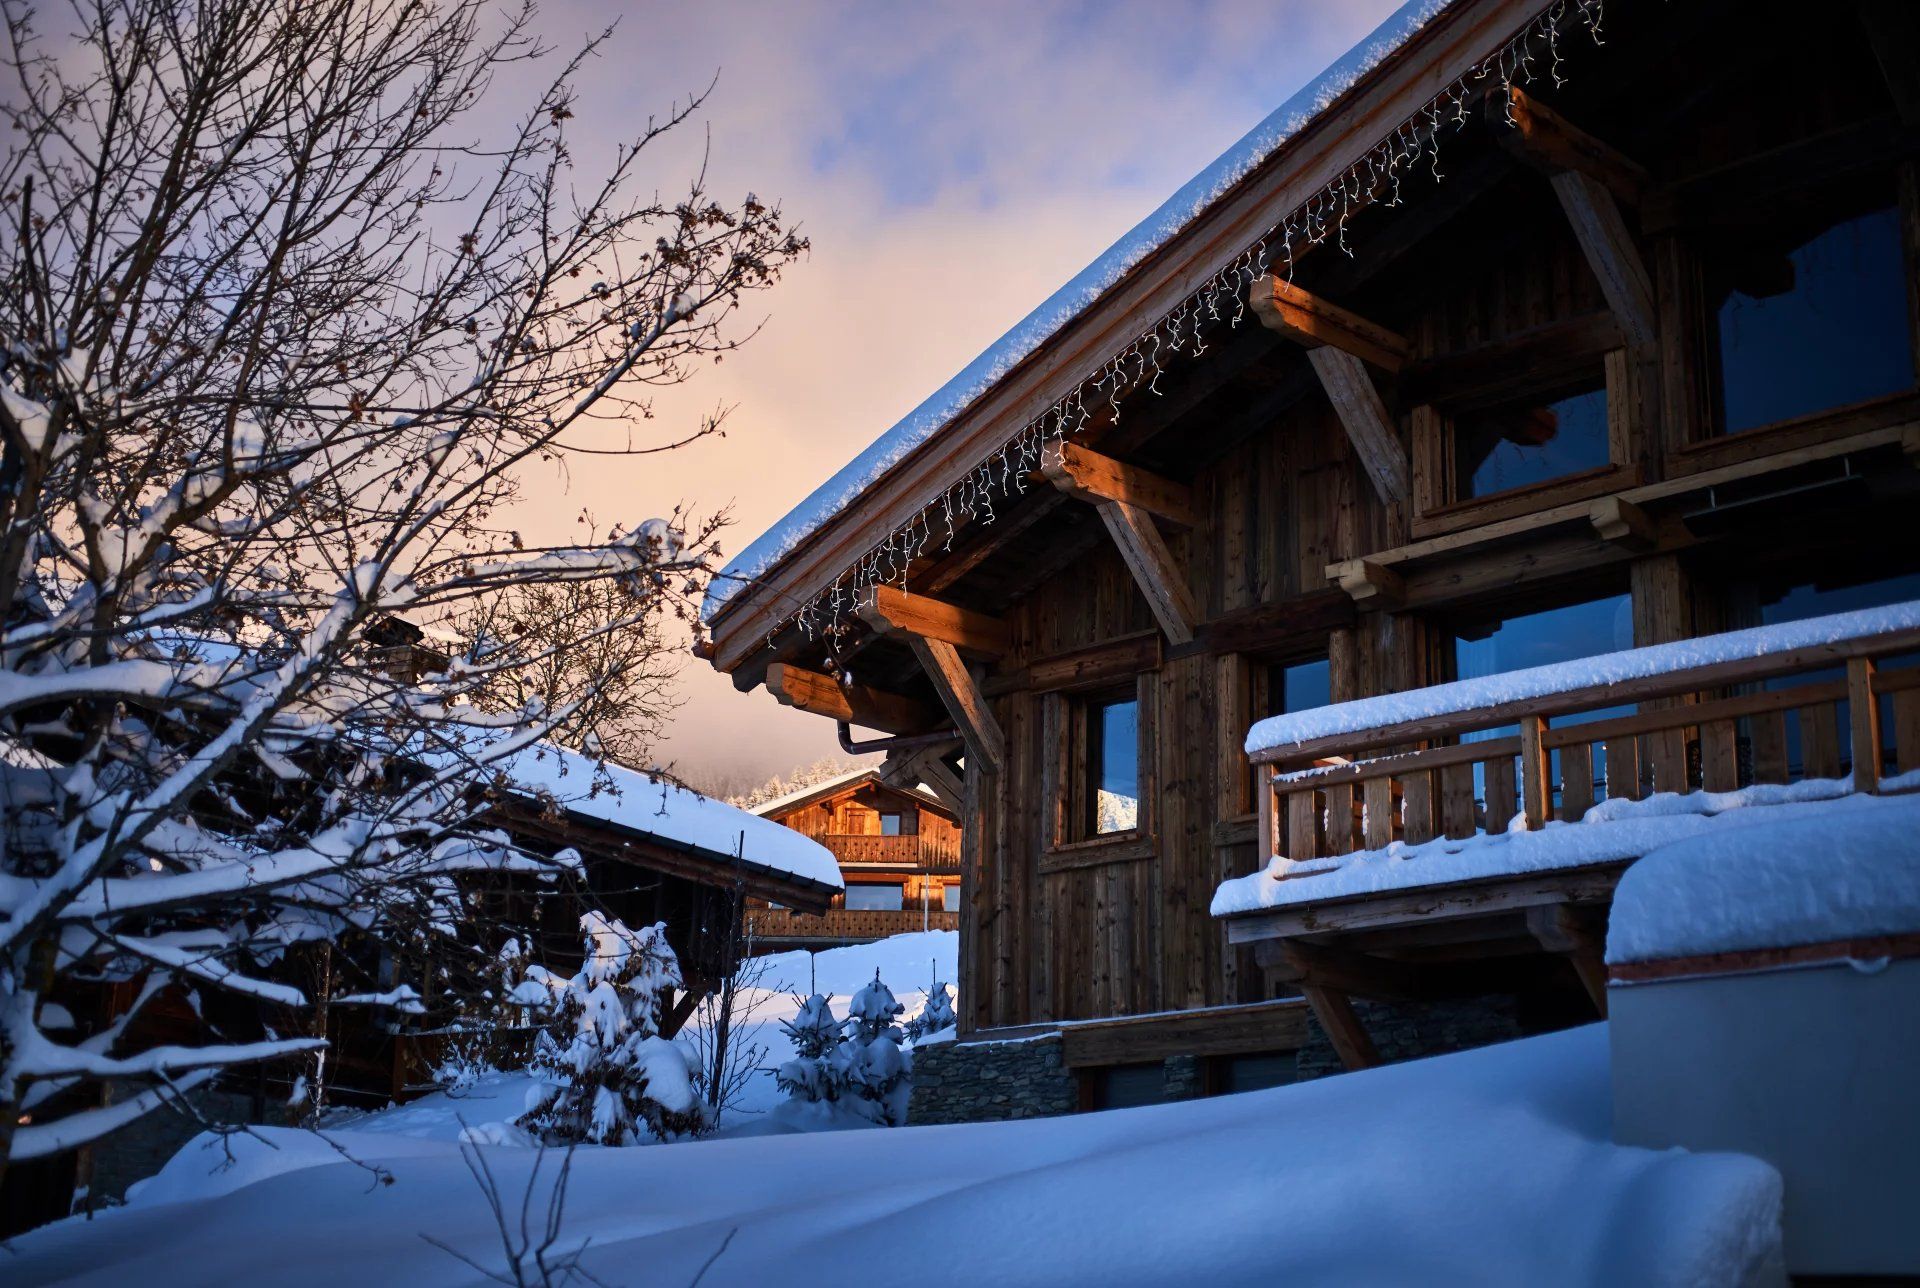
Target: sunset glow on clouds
x,y
953,164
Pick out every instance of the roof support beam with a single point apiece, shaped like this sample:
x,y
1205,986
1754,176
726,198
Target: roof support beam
x,y
1557,928
1893,27
893,611
1610,250
1096,478
1544,138
960,692
1154,569
805,690
1369,428
926,766
1309,320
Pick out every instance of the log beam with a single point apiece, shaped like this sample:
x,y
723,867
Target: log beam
x,y
1095,478
1154,569
869,708
1623,523
1893,29
1369,428
1544,138
1609,247
1349,1037
1309,320
1558,929
1368,584
960,693
893,611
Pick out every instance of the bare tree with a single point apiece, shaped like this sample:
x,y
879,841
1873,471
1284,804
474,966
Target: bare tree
x,y
278,341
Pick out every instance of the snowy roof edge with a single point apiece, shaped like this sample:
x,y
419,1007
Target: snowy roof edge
x,y
1172,216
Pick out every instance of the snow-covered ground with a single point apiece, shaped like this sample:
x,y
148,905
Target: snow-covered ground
x,y
1488,1167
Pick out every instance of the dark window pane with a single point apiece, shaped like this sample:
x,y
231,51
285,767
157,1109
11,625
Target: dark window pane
x,y
874,898
1836,331
1530,442
889,825
950,898
1113,765
1257,1072
1300,687
1125,1085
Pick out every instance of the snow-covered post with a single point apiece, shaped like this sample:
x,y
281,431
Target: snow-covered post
x,y
233,449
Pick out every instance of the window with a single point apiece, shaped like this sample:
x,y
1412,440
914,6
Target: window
x,y
1123,1086
950,898
1534,440
1112,795
1817,323
890,825
1292,686
1257,1072
874,898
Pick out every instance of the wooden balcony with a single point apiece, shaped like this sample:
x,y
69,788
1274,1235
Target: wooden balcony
x,y
1469,770
775,927
906,853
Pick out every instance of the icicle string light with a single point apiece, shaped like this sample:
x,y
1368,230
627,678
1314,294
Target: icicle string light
x,y
1374,179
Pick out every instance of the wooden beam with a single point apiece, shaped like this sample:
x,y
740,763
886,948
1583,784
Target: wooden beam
x,y
943,782
1334,1010
1863,716
1520,364
1312,321
1543,137
1369,428
1154,569
869,708
955,684
1368,584
1621,521
1558,929
1096,478
1610,250
893,611
1893,29
1283,622
1346,971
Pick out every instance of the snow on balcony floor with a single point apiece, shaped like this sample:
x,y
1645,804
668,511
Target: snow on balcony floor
x,y
1491,1167
1612,831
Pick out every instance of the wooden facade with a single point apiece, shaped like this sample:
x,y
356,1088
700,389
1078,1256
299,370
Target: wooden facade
x,y
898,847
1308,490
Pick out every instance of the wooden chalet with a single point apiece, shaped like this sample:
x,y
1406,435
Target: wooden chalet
x,y
898,847
1631,361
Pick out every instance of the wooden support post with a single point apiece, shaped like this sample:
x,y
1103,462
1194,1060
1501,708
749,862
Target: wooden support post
x,y
1863,714
1558,930
893,611
1623,523
1096,478
1536,785
1334,1010
1309,320
1611,253
960,692
806,690
1368,584
1154,569
1369,428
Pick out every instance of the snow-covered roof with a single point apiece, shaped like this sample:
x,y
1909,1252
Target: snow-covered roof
x,y
633,801
1613,831
1814,880
1540,682
838,783
1067,303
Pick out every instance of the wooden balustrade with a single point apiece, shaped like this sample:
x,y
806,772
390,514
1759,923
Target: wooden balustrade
x,y
1691,734
914,851
774,925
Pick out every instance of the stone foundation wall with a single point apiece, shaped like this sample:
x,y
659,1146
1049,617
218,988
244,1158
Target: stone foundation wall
x,y
1409,1031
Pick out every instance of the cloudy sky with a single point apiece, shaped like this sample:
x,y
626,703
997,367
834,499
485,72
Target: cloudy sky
x,y
953,163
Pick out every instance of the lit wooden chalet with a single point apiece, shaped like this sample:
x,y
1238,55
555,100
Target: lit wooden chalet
x,y
898,847
1633,361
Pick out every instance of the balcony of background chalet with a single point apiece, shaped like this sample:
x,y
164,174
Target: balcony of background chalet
x,y
1423,841
775,928
906,853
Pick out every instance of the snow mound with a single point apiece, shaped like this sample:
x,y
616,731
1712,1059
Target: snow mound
x,y
1491,1167
1815,880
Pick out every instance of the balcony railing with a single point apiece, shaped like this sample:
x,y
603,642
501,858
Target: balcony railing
x,y
1694,730
920,853
777,924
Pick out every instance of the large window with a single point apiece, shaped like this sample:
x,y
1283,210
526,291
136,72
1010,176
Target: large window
x,y
1517,444
1816,323
874,898
1112,797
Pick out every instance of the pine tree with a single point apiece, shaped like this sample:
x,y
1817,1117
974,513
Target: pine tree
x,y
936,1015
813,1073
608,1072
876,1071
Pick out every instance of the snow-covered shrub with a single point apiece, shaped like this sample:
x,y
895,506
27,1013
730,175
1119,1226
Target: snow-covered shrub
x,y
856,1063
936,1015
812,1075
609,1077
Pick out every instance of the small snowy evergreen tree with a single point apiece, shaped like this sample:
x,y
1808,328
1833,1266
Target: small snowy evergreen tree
x,y
610,1075
813,1073
936,1015
877,1073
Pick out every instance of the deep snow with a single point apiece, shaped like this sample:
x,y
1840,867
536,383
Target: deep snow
x,y
1490,1167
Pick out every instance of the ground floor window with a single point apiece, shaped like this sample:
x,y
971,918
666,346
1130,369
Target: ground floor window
x,y
1254,1072
874,898
1122,1086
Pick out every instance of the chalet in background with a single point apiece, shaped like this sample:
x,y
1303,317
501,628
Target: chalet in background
x,y
1509,343
898,848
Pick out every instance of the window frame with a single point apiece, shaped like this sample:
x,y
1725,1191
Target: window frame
x,y
1065,728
